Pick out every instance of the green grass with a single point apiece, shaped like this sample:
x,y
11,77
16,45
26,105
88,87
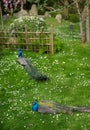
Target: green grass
x,y
69,73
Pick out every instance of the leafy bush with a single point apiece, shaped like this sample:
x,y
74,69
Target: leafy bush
x,y
53,14
57,44
41,10
33,24
73,18
29,23
72,10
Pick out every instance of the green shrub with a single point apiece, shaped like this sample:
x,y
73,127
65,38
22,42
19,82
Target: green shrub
x,y
72,10
58,46
73,18
41,10
33,24
53,14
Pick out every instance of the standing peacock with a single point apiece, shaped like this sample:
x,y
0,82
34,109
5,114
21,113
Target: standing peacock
x,y
20,52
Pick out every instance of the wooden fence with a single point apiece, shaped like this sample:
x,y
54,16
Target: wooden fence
x,y
33,41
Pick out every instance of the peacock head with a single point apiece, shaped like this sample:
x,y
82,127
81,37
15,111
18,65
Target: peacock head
x,y
35,106
33,103
20,49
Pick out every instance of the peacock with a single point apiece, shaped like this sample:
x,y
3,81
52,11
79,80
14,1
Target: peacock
x,y
35,106
30,69
20,52
50,107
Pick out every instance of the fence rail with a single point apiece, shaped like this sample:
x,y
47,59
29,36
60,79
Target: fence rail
x,y
32,41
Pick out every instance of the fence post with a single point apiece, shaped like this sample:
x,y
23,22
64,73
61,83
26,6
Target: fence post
x,y
26,33
51,38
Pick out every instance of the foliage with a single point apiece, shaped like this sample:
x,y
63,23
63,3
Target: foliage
x,y
10,6
2,40
73,18
35,1
33,23
30,24
58,45
0,51
41,10
53,14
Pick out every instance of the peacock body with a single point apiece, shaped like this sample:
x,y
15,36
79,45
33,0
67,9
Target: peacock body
x,y
50,107
31,70
20,52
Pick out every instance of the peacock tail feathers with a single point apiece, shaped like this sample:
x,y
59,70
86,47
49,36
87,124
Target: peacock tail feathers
x,y
32,71
47,106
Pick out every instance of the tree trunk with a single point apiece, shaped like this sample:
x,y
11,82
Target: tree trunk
x,y
66,8
82,32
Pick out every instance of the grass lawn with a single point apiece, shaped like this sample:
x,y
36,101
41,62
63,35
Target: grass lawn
x,y
69,84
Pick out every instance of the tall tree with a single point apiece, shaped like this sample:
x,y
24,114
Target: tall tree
x,y
84,17
80,14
